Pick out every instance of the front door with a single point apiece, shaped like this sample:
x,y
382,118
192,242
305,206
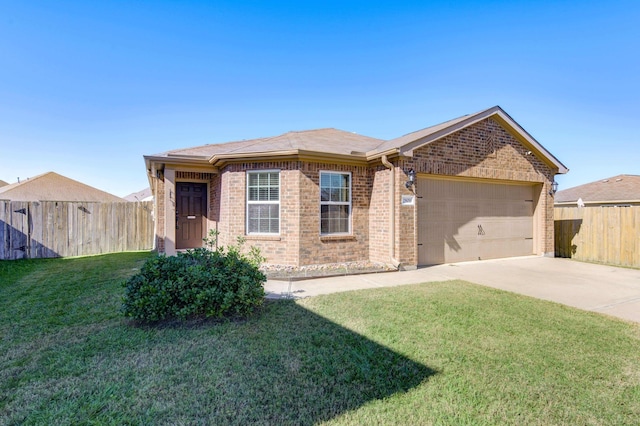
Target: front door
x,y
191,214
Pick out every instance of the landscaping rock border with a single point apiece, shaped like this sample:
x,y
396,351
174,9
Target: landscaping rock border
x,y
287,272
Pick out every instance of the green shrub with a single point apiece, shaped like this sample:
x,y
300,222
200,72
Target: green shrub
x,y
209,282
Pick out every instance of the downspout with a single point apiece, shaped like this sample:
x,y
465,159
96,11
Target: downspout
x,y
152,176
392,203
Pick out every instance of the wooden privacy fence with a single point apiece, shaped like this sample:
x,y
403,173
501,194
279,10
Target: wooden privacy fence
x,y
599,234
39,229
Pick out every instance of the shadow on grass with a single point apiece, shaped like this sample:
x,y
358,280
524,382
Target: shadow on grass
x,y
287,365
284,365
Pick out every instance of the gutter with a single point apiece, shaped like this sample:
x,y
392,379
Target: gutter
x,y
599,203
293,154
392,203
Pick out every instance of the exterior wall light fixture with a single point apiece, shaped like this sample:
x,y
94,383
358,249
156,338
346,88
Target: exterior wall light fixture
x,y
411,175
554,188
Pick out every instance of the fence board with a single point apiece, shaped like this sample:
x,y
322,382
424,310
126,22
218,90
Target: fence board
x,y
19,235
35,249
599,234
4,229
60,229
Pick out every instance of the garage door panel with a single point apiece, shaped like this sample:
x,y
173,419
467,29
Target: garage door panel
x,y
465,209
508,228
438,209
455,252
469,220
465,231
521,209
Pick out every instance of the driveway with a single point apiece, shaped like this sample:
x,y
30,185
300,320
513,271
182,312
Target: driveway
x,y
599,288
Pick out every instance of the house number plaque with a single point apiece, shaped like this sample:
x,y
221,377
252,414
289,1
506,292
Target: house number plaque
x,y
408,200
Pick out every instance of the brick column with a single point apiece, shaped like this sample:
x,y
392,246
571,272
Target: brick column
x,y
170,211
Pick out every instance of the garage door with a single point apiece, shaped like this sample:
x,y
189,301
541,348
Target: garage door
x,y
462,220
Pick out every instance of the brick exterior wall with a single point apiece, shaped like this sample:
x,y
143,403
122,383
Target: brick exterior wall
x,y
484,150
406,221
299,242
317,249
160,214
282,248
380,216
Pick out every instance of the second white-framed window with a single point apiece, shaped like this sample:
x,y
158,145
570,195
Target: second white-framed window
x,y
335,203
263,202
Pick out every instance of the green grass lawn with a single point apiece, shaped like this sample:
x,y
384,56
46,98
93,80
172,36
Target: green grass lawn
x,y
436,353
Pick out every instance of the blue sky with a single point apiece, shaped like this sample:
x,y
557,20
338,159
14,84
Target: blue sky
x,y
88,88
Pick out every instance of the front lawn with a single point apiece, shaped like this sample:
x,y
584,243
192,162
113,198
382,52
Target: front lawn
x,y
435,353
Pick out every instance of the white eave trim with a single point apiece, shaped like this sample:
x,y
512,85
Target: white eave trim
x,y
294,153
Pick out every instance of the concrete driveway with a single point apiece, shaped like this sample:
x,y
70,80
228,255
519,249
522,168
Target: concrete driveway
x,y
599,288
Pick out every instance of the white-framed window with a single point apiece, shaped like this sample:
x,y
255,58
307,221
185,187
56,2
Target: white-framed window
x,y
263,202
335,203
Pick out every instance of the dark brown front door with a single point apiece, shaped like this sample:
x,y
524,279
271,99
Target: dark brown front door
x,y
191,214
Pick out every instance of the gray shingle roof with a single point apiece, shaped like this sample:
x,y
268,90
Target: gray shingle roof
x,y
621,188
331,141
419,134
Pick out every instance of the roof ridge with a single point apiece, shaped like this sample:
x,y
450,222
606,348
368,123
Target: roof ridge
x,y
252,142
315,130
434,125
51,182
14,185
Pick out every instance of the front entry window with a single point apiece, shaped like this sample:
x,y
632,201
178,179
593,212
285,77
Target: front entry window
x,y
263,202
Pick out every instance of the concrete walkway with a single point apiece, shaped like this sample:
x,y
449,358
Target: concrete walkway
x,y
606,289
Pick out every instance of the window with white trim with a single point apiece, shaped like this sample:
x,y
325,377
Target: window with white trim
x,y
263,202
335,203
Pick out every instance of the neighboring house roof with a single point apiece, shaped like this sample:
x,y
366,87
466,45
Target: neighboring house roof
x,y
337,144
617,189
51,186
142,195
3,183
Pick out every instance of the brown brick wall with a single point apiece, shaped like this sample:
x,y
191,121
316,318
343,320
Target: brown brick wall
x,y
315,249
406,222
278,249
299,242
159,212
380,216
484,150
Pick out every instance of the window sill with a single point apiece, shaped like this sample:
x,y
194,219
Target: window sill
x,y
343,237
262,237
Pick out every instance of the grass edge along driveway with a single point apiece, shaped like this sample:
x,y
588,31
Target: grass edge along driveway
x,y
434,353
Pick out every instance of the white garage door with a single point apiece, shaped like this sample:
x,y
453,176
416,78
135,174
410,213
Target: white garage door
x,y
462,220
